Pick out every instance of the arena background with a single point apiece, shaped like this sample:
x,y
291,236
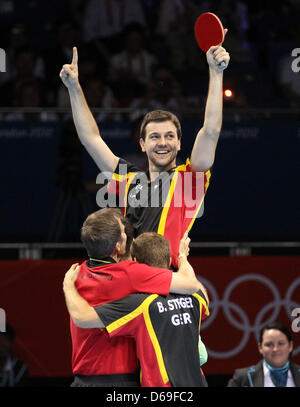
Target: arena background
x,y
246,244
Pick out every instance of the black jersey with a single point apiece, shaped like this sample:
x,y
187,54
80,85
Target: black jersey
x,y
169,205
166,331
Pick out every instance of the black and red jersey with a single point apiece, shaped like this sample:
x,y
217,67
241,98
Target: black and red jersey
x,y
166,331
169,205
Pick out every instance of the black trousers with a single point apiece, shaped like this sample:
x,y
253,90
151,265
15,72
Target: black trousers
x,y
114,380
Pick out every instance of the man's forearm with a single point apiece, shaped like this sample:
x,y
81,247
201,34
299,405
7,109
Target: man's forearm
x,y
214,104
185,269
82,314
88,132
203,152
84,121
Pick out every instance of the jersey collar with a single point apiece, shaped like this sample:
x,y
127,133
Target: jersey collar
x,y
92,262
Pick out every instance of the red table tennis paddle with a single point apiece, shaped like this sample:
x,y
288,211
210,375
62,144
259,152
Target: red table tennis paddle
x,y
209,31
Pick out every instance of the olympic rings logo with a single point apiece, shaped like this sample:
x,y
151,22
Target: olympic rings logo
x,y
245,326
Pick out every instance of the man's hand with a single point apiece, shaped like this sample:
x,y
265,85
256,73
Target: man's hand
x,y
215,55
69,72
71,276
184,244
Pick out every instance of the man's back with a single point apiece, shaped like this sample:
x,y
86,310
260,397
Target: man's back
x,y
166,331
93,352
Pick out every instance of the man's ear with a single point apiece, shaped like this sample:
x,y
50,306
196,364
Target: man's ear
x,y
117,248
179,145
170,262
142,144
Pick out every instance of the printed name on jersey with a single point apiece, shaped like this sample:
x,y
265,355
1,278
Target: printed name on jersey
x,y
177,304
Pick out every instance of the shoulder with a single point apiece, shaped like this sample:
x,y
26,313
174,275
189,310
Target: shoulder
x,y
243,377
124,167
294,367
133,265
186,167
252,368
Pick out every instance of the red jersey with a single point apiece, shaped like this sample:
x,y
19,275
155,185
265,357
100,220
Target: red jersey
x,y
94,353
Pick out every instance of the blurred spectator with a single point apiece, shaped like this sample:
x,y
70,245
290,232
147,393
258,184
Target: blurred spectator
x,y
164,92
275,369
91,65
130,69
136,156
37,16
18,40
151,11
66,38
99,95
233,12
243,54
75,10
28,96
234,16
92,61
105,20
13,372
25,63
176,27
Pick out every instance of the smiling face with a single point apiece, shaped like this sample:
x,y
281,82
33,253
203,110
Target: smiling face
x,y
275,347
161,144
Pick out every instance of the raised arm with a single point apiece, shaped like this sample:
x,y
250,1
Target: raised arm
x,y
86,126
203,153
82,314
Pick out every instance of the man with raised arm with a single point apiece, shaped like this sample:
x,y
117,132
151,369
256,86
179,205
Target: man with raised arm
x,y
167,199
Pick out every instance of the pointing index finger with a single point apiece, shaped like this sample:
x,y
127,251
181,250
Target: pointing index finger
x,y
75,56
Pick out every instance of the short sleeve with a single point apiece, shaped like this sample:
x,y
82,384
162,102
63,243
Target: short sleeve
x,y
118,316
148,279
204,311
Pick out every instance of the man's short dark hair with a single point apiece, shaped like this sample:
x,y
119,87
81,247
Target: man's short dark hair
x,y
101,231
152,249
275,325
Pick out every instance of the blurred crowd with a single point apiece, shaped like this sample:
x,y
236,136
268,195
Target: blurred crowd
x,y
141,54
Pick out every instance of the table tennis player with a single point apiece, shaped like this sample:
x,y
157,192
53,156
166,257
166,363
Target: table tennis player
x,y
164,183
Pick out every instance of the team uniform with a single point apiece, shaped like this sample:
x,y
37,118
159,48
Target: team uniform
x,y
94,354
169,205
166,331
